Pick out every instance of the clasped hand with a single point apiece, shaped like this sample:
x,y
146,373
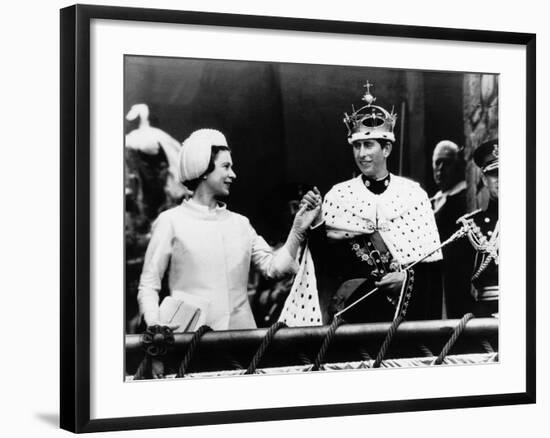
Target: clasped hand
x,y
309,211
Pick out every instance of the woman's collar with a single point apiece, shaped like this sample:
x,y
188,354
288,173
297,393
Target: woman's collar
x,y
204,209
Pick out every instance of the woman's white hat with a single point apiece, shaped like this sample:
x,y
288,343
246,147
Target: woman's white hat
x,y
195,152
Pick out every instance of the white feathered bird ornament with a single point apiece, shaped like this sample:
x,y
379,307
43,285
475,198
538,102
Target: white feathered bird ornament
x,y
149,139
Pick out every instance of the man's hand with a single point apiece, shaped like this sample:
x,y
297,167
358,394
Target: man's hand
x,y
311,199
391,283
310,210
310,207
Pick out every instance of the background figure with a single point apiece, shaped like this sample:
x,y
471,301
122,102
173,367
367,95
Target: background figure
x,y
449,203
156,154
485,235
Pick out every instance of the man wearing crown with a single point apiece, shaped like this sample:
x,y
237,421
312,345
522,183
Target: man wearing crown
x,y
484,234
370,229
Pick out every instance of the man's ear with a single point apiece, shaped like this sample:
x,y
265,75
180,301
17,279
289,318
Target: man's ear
x,y
387,149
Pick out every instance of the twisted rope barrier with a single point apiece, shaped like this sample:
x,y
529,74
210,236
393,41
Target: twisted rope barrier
x,y
364,354
238,345
304,359
386,344
487,346
266,341
336,322
189,354
425,350
456,334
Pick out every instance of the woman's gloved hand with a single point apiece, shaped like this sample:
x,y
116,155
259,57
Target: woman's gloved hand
x,y
309,212
310,208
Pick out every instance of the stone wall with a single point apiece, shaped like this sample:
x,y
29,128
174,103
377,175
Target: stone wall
x,y
480,125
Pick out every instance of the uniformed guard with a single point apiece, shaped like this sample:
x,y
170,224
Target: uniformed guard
x,y
484,234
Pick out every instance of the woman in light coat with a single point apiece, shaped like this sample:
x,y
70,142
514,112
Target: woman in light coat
x,y
206,249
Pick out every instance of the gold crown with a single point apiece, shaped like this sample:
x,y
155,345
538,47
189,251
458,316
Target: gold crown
x,y
370,121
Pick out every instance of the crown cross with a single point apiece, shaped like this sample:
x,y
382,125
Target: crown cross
x,y
369,98
367,86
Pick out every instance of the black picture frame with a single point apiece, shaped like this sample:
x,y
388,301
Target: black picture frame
x,y
75,216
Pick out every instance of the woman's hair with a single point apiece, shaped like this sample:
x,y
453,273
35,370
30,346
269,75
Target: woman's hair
x,y
192,184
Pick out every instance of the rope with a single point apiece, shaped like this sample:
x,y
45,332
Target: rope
x,y
230,361
304,359
456,333
488,259
235,364
387,341
263,346
364,354
487,346
337,321
145,365
191,349
425,350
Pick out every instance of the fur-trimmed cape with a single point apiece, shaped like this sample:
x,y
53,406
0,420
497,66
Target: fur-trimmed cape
x,y
403,216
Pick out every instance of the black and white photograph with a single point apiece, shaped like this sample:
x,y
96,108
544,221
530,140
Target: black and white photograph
x,y
290,218
276,218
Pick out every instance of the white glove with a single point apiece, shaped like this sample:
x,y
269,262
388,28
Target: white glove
x,y
310,209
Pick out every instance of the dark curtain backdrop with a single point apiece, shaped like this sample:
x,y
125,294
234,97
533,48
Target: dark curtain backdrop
x,y
284,121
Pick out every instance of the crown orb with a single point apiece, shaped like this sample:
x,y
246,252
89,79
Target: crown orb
x,y
369,98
